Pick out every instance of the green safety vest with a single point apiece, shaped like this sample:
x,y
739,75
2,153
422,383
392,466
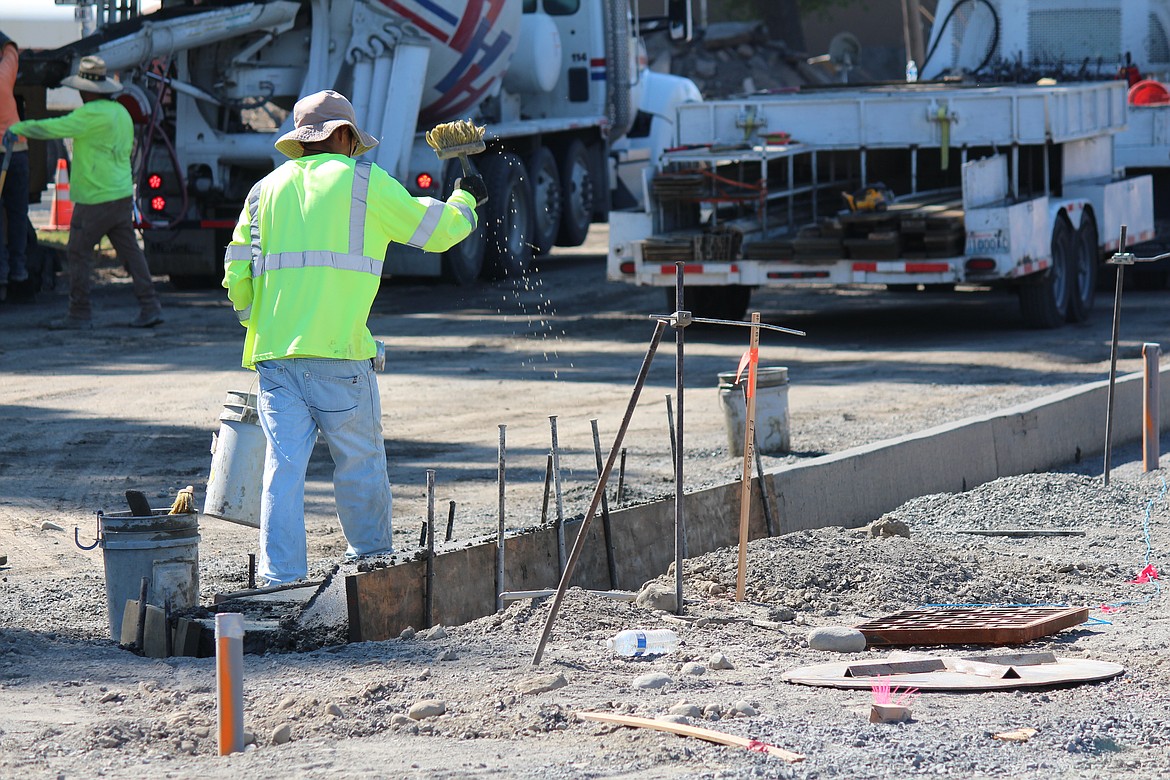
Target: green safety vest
x,y
103,136
306,256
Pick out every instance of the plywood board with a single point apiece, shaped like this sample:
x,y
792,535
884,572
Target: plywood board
x,y
970,625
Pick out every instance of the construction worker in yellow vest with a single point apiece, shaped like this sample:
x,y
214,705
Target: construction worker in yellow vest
x,y
102,188
302,269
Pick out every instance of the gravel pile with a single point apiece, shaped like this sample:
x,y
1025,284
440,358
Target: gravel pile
x,y
465,700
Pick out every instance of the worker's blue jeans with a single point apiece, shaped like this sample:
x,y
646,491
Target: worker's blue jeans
x,y
298,396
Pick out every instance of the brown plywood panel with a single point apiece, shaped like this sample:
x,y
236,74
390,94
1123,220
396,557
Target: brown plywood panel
x,y
382,602
970,625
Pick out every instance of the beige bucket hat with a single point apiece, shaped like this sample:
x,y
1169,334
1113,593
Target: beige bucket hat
x,y
315,117
91,77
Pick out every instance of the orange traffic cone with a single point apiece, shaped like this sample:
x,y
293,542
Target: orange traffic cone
x,y
61,210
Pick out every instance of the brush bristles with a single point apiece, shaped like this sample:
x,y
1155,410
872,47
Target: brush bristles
x,y
451,134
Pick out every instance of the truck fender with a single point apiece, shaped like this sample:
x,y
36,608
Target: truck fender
x,y
1074,209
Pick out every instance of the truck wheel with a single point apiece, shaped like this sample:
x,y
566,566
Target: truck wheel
x,y
1086,259
462,264
1044,303
545,181
717,303
507,217
576,195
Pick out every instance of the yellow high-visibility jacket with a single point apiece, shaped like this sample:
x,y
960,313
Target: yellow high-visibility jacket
x,y
305,259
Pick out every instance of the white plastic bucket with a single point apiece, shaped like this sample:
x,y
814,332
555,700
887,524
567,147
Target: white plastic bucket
x,y
162,548
772,436
236,480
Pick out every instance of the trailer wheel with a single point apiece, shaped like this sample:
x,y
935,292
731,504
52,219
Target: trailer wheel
x,y
545,181
576,195
1086,259
462,264
507,217
1044,303
729,302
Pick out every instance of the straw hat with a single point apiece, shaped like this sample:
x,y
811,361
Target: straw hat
x,y
91,77
315,117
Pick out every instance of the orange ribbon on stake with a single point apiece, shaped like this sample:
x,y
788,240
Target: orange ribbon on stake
x,y
752,359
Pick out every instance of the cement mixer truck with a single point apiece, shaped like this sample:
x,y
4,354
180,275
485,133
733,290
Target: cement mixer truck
x,y
572,113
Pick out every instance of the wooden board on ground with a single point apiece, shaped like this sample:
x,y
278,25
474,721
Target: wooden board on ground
x,y
1062,671
718,737
970,625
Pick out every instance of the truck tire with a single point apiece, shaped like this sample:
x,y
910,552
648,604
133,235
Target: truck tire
x,y
507,217
577,195
1083,273
1044,302
462,264
729,302
545,182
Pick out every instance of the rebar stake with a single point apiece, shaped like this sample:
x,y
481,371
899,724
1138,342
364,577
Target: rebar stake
x,y
500,584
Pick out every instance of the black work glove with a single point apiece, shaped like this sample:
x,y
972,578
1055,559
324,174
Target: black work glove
x,y
473,186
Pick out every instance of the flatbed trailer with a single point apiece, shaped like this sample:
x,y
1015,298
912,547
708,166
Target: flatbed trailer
x,y
1006,186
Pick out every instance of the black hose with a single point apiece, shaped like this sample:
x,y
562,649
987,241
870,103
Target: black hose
x,y
947,19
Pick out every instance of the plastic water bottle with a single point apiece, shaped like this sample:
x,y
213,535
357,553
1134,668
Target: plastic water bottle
x,y
911,71
636,644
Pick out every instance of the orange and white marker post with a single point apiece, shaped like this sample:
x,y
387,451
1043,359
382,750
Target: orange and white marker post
x,y
229,681
752,359
61,209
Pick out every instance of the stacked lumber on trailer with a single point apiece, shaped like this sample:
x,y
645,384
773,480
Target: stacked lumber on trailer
x,y
913,229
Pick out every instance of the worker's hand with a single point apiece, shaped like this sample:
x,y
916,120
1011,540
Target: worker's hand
x,y
473,186
5,40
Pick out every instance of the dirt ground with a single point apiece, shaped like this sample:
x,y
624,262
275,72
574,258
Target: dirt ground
x,y
90,415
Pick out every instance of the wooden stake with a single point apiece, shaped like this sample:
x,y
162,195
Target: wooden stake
x,y
745,500
710,735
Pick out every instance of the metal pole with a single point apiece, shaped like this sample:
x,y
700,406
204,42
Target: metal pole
x,y
670,426
659,327
680,536
621,477
1113,361
1151,400
500,535
429,604
765,499
609,560
560,521
547,489
450,522
745,499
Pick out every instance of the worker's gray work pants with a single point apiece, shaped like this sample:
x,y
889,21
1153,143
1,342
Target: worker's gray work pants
x,y
113,219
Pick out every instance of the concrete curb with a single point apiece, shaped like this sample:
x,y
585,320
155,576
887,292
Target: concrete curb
x,y
850,488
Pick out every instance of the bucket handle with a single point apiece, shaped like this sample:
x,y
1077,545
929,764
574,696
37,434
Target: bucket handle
x,y
97,537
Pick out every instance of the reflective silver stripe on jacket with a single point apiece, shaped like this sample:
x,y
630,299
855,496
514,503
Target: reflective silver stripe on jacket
x,y
430,221
254,222
321,258
357,208
468,213
237,252
354,260
244,315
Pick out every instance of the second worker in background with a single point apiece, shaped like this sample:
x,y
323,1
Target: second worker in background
x,y
302,270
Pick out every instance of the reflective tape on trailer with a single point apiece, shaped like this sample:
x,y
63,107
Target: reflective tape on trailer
x,y
1035,266
900,267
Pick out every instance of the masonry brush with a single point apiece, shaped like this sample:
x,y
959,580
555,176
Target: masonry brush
x,y
457,139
